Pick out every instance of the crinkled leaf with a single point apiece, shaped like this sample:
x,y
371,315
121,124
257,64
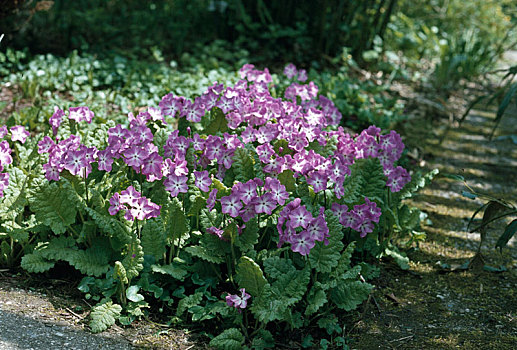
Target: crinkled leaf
x,y
104,316
316,299
34,262
204,253
348,295
243,165
249,276
229,339
188,302
133,262
173,270
14,199
323,257
153,239
249,236
174,220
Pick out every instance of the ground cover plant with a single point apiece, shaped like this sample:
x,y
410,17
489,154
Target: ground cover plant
x,y
248,209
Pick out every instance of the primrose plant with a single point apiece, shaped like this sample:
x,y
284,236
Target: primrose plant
x,y
240,206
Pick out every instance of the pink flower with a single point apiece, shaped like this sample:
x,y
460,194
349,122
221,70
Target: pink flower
x,y
5,154
19,133
302,243
129,196
3,131
264,204
290,71
238,301
210,202
300,217
202,180
116,205
75,162
231,205
176,184
318,181
80,114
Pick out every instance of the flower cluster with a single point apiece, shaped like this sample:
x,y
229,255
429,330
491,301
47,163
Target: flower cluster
x,y
18,133
360,218
255,121
238,301
297,226
136,206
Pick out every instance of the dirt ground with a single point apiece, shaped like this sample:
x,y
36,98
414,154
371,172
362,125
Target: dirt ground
x,y
436,305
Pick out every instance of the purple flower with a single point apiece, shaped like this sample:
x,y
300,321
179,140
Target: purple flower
x,y
202,180
290,71
135,156
4,182
264,204
75,162
80,114
238,301
277,190
215,231
19,133
152,167
104,160
52,171
176,184
116,205
129,196
56,119
318,181
231,205
302,243
5,154
210,202
3,131
300,217
246,192
45,145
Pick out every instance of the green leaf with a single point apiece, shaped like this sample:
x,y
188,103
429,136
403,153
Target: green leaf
x,y
59,248
349,294
132,294
34,262
210,218
292,286
323,257
205,254
243,165
153,239
93,261
507,235
316,299
512,91
172,270
53,206
188,302
229,339
249,237
133,262
14,200
104,316
218,123
286,178
374,179
249,276
110,226
352,188
120,273
174,220
401,260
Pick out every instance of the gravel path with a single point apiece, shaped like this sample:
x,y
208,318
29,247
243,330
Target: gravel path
x,y
28,320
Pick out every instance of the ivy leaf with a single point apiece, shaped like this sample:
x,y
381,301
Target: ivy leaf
x,y
52,207
347,295
132,294
229,339
250,276
104,316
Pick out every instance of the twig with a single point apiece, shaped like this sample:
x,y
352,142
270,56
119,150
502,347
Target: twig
x,y
73,313
403,338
